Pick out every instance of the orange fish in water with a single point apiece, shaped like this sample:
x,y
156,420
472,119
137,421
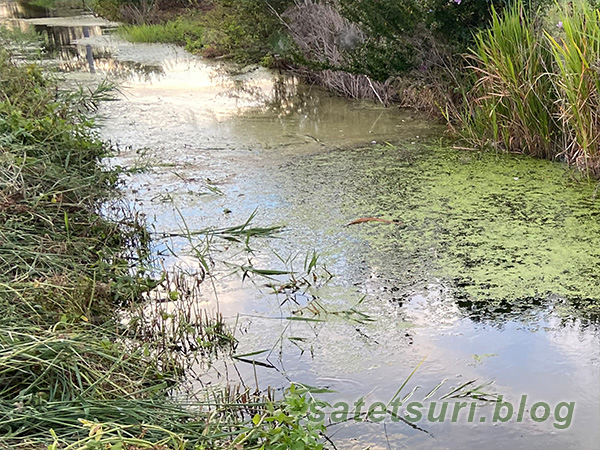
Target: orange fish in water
x,y
373,219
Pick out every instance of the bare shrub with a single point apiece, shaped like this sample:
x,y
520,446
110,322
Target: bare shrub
x,y
145,12
323,37
320,32
350,85
437,83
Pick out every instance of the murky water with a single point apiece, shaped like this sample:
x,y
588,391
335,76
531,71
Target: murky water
x,y
492,276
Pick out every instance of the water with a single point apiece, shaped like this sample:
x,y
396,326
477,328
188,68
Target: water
x,y
488,279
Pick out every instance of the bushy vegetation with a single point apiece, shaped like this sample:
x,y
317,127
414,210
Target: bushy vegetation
x,y
246,30
536,87
396,31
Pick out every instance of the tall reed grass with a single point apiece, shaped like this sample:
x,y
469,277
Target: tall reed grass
x,y
577,82
513,97
536,85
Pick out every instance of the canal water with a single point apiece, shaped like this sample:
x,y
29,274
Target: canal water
x,y
484,270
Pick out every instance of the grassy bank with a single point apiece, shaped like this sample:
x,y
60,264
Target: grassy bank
x,y
85,363
391,53
64,270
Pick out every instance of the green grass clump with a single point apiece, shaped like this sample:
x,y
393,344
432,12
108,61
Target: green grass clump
x,y
64,268
514,106
182,31
536,85
56,248
63,4
577,53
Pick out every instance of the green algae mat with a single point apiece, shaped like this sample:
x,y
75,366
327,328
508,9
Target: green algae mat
x,y
502,232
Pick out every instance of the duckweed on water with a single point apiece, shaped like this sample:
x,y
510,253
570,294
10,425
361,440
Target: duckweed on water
x,y
504,232
510,228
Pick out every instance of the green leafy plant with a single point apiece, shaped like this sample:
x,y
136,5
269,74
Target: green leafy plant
x,y
284,425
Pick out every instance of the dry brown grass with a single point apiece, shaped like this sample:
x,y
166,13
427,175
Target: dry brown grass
x,y
322,35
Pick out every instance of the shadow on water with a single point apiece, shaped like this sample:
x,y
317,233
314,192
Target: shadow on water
x,y
493,273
